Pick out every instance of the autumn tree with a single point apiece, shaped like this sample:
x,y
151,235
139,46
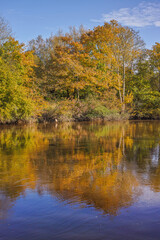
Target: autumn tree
x,y
44,50
17,89
155,64
127,46
114,48
97,44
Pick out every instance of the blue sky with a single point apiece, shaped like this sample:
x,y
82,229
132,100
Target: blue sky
x,y
30,18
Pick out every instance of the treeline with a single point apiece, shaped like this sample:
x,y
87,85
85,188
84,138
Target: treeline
x,y
81,75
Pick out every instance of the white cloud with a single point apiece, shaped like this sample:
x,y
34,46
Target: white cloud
x,y
145,14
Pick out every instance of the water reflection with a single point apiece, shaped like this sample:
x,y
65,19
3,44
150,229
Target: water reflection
x,y
100,165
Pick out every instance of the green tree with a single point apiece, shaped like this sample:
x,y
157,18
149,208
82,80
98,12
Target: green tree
x,y
145,86
16,82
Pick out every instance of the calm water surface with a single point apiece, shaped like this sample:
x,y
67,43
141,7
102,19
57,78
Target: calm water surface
x,y
80,181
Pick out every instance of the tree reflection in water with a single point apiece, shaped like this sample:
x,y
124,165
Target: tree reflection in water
x,y
89,164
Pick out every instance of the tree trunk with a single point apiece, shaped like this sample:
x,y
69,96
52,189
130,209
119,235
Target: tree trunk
x,y
120,95
124,86
78,94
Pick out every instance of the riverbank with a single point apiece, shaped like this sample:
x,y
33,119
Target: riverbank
x,y
76,111
71,111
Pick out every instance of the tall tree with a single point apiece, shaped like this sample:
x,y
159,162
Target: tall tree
x,y
5,30
114,47
17,89
155,63
127,46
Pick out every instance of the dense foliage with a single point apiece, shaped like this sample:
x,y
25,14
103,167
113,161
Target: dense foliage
x,y
84,74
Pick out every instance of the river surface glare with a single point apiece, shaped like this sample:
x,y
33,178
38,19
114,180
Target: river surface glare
x,y
80,181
